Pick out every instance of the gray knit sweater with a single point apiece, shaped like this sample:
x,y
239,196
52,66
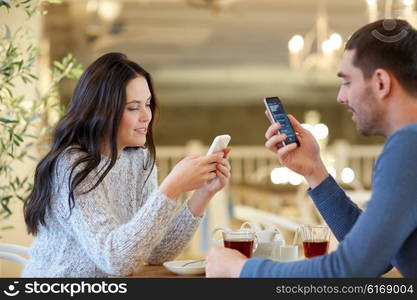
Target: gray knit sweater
x,y
113,229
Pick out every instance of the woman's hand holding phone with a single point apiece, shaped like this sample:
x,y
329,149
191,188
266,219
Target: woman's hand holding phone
x,y
191,173
200,199
222,175
304,159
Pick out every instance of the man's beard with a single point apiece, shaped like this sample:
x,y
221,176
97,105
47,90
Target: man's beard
x,y
370,116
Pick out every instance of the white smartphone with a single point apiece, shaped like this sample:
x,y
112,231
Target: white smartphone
x,y
219,143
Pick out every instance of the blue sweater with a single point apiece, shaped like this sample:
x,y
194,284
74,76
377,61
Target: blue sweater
x,y
373,240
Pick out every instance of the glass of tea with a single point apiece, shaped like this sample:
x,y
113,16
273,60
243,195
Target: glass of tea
x,y
315,239
242,240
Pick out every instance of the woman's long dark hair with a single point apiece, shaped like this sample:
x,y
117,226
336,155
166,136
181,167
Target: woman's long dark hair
x,y
94,113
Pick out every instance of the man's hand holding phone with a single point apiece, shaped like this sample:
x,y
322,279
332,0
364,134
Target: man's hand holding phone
x,y
304,159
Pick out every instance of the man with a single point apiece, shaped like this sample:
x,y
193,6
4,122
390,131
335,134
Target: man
x,y
379,74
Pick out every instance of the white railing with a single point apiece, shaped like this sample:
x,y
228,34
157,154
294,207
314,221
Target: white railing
x,y
253,164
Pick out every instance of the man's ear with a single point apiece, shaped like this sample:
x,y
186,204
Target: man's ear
x,y
382,83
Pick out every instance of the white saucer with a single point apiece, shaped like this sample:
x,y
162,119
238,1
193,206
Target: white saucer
x,y
177,267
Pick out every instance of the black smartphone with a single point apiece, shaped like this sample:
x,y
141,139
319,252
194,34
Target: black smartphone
x,y
277,113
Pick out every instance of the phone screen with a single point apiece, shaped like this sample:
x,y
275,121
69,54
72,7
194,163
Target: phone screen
x,y
276,110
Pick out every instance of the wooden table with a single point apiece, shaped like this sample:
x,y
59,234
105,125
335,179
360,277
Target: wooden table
x,y
160,272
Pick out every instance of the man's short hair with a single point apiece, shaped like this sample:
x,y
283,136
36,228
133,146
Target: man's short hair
x,y
390,44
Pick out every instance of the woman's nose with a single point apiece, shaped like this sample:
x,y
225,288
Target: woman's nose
x,y
145,115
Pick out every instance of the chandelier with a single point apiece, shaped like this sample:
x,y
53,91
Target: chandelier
x,y
321,46
404,9
318,49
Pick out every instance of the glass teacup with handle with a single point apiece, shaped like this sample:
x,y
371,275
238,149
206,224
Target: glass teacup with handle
x,y
243,240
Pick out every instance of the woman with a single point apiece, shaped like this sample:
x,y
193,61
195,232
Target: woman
x,y
95,208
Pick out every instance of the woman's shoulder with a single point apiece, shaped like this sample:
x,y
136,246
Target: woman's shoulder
x,y
65,162
74,155
69,156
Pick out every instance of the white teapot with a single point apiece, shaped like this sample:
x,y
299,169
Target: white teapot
x,y
269,241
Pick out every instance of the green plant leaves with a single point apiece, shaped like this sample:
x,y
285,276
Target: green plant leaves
x,y
5,3
24,123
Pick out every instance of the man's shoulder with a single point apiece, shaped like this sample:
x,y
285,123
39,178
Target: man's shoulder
x,y
407,134
411,128
402,144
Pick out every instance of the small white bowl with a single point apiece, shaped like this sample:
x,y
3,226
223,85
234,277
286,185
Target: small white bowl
x,y
177,267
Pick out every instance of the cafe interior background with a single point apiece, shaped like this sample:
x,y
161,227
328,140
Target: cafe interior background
x,y
213,62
